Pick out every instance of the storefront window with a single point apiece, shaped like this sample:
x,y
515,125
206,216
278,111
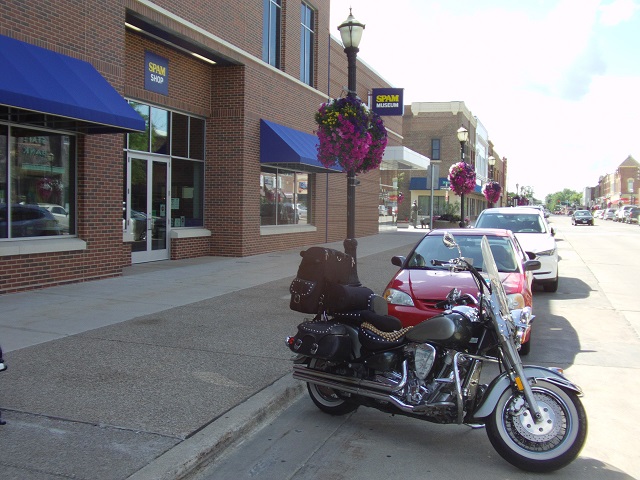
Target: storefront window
x,y
196,138
284,197
39,199
180,140
140,141
187,186
183,137
3,165
159,131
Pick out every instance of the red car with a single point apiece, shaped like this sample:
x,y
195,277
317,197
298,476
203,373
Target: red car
x,y
414,292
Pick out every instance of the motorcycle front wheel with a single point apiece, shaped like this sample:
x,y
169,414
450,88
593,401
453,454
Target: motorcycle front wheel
x,y
325,398
543,447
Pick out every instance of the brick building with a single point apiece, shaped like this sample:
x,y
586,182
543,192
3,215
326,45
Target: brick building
x,y
619,188
430,128
211,150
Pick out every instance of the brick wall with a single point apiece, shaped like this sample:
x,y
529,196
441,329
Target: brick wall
x,y
233,99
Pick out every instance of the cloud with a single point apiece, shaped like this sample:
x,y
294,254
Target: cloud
x,y
617,12
579,76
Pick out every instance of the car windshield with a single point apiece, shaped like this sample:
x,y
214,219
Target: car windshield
x,y
582,213
432,248
516,222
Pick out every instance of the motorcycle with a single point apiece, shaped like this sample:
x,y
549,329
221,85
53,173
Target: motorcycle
x,y
349,358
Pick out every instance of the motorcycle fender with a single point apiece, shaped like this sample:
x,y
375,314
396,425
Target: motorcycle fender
x,y
501,383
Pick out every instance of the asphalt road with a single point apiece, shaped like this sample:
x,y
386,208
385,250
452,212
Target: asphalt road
x,y
590,327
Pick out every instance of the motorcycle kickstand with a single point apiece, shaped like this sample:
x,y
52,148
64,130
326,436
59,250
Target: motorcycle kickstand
x,y
474,426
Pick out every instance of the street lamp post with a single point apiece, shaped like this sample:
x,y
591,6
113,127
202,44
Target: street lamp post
x,y
433,164
351,34
492,162
463,137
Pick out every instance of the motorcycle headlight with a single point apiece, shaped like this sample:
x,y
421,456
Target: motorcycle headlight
x,y
515,301
397,297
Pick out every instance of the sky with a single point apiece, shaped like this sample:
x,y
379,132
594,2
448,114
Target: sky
x,y
556,83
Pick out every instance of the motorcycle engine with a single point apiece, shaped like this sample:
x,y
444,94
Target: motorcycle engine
x,y
424,355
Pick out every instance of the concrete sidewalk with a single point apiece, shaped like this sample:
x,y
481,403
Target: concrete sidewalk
x,y
148,375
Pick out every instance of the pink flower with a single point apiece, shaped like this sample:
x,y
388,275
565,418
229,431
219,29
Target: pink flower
x,y
350,135
462,178
492,191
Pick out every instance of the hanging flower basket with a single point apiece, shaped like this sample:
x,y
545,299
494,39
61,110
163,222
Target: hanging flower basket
x,y
492,191
462,178
350,135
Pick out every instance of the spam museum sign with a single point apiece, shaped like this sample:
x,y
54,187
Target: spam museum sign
x,y
388,101
156,75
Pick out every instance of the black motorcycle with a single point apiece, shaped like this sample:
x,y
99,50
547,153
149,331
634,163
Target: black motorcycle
x,y
352,353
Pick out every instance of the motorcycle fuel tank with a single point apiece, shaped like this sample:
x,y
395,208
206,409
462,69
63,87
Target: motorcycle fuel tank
x,y
450,329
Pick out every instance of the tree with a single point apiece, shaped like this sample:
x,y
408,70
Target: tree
x,y
565,197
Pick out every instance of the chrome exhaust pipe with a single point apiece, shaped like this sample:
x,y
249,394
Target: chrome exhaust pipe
x,y
355,386
340,382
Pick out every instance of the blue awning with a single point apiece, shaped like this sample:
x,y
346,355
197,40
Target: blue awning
x,y
286,147
39,80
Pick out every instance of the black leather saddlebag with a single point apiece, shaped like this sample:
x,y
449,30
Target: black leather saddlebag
x,y
325,340
347,298
306,295
319,267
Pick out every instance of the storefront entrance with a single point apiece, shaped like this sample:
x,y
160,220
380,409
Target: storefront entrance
x,y
148,207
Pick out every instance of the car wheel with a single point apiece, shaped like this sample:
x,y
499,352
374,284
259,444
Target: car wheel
x,y
551,286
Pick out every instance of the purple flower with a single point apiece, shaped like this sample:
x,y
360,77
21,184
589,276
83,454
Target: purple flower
x,y
462,178
492,191
350,135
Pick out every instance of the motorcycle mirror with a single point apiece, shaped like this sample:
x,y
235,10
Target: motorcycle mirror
x,y
448,240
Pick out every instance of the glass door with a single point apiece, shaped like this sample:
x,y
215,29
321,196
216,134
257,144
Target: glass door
x,y
148,208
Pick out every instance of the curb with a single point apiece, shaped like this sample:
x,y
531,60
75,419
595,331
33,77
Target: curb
x,y
210,443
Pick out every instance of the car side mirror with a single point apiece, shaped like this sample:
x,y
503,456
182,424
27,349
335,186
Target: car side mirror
x,y
531,265
398,260
553,232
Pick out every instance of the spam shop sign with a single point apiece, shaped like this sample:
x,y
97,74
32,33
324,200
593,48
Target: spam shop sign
x,y
388,101
156,75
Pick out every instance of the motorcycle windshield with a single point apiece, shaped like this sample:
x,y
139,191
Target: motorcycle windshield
x,y
492,271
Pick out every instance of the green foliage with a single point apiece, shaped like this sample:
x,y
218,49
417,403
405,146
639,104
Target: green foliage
x,y
565,197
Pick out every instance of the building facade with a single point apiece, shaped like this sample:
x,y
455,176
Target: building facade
x,y
430,128
621,187
222,160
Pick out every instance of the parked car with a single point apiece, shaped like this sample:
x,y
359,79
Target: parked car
x,y
582,217
59,213
416,290
542,208
534,234
27,221
631,215
382,210
609,214
619,217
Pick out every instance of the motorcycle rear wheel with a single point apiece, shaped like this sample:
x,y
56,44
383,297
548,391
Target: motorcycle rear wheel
x,y
543,447
325,398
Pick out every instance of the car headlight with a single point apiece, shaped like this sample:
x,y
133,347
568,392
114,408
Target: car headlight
x,y
546,253
515,301
397,297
